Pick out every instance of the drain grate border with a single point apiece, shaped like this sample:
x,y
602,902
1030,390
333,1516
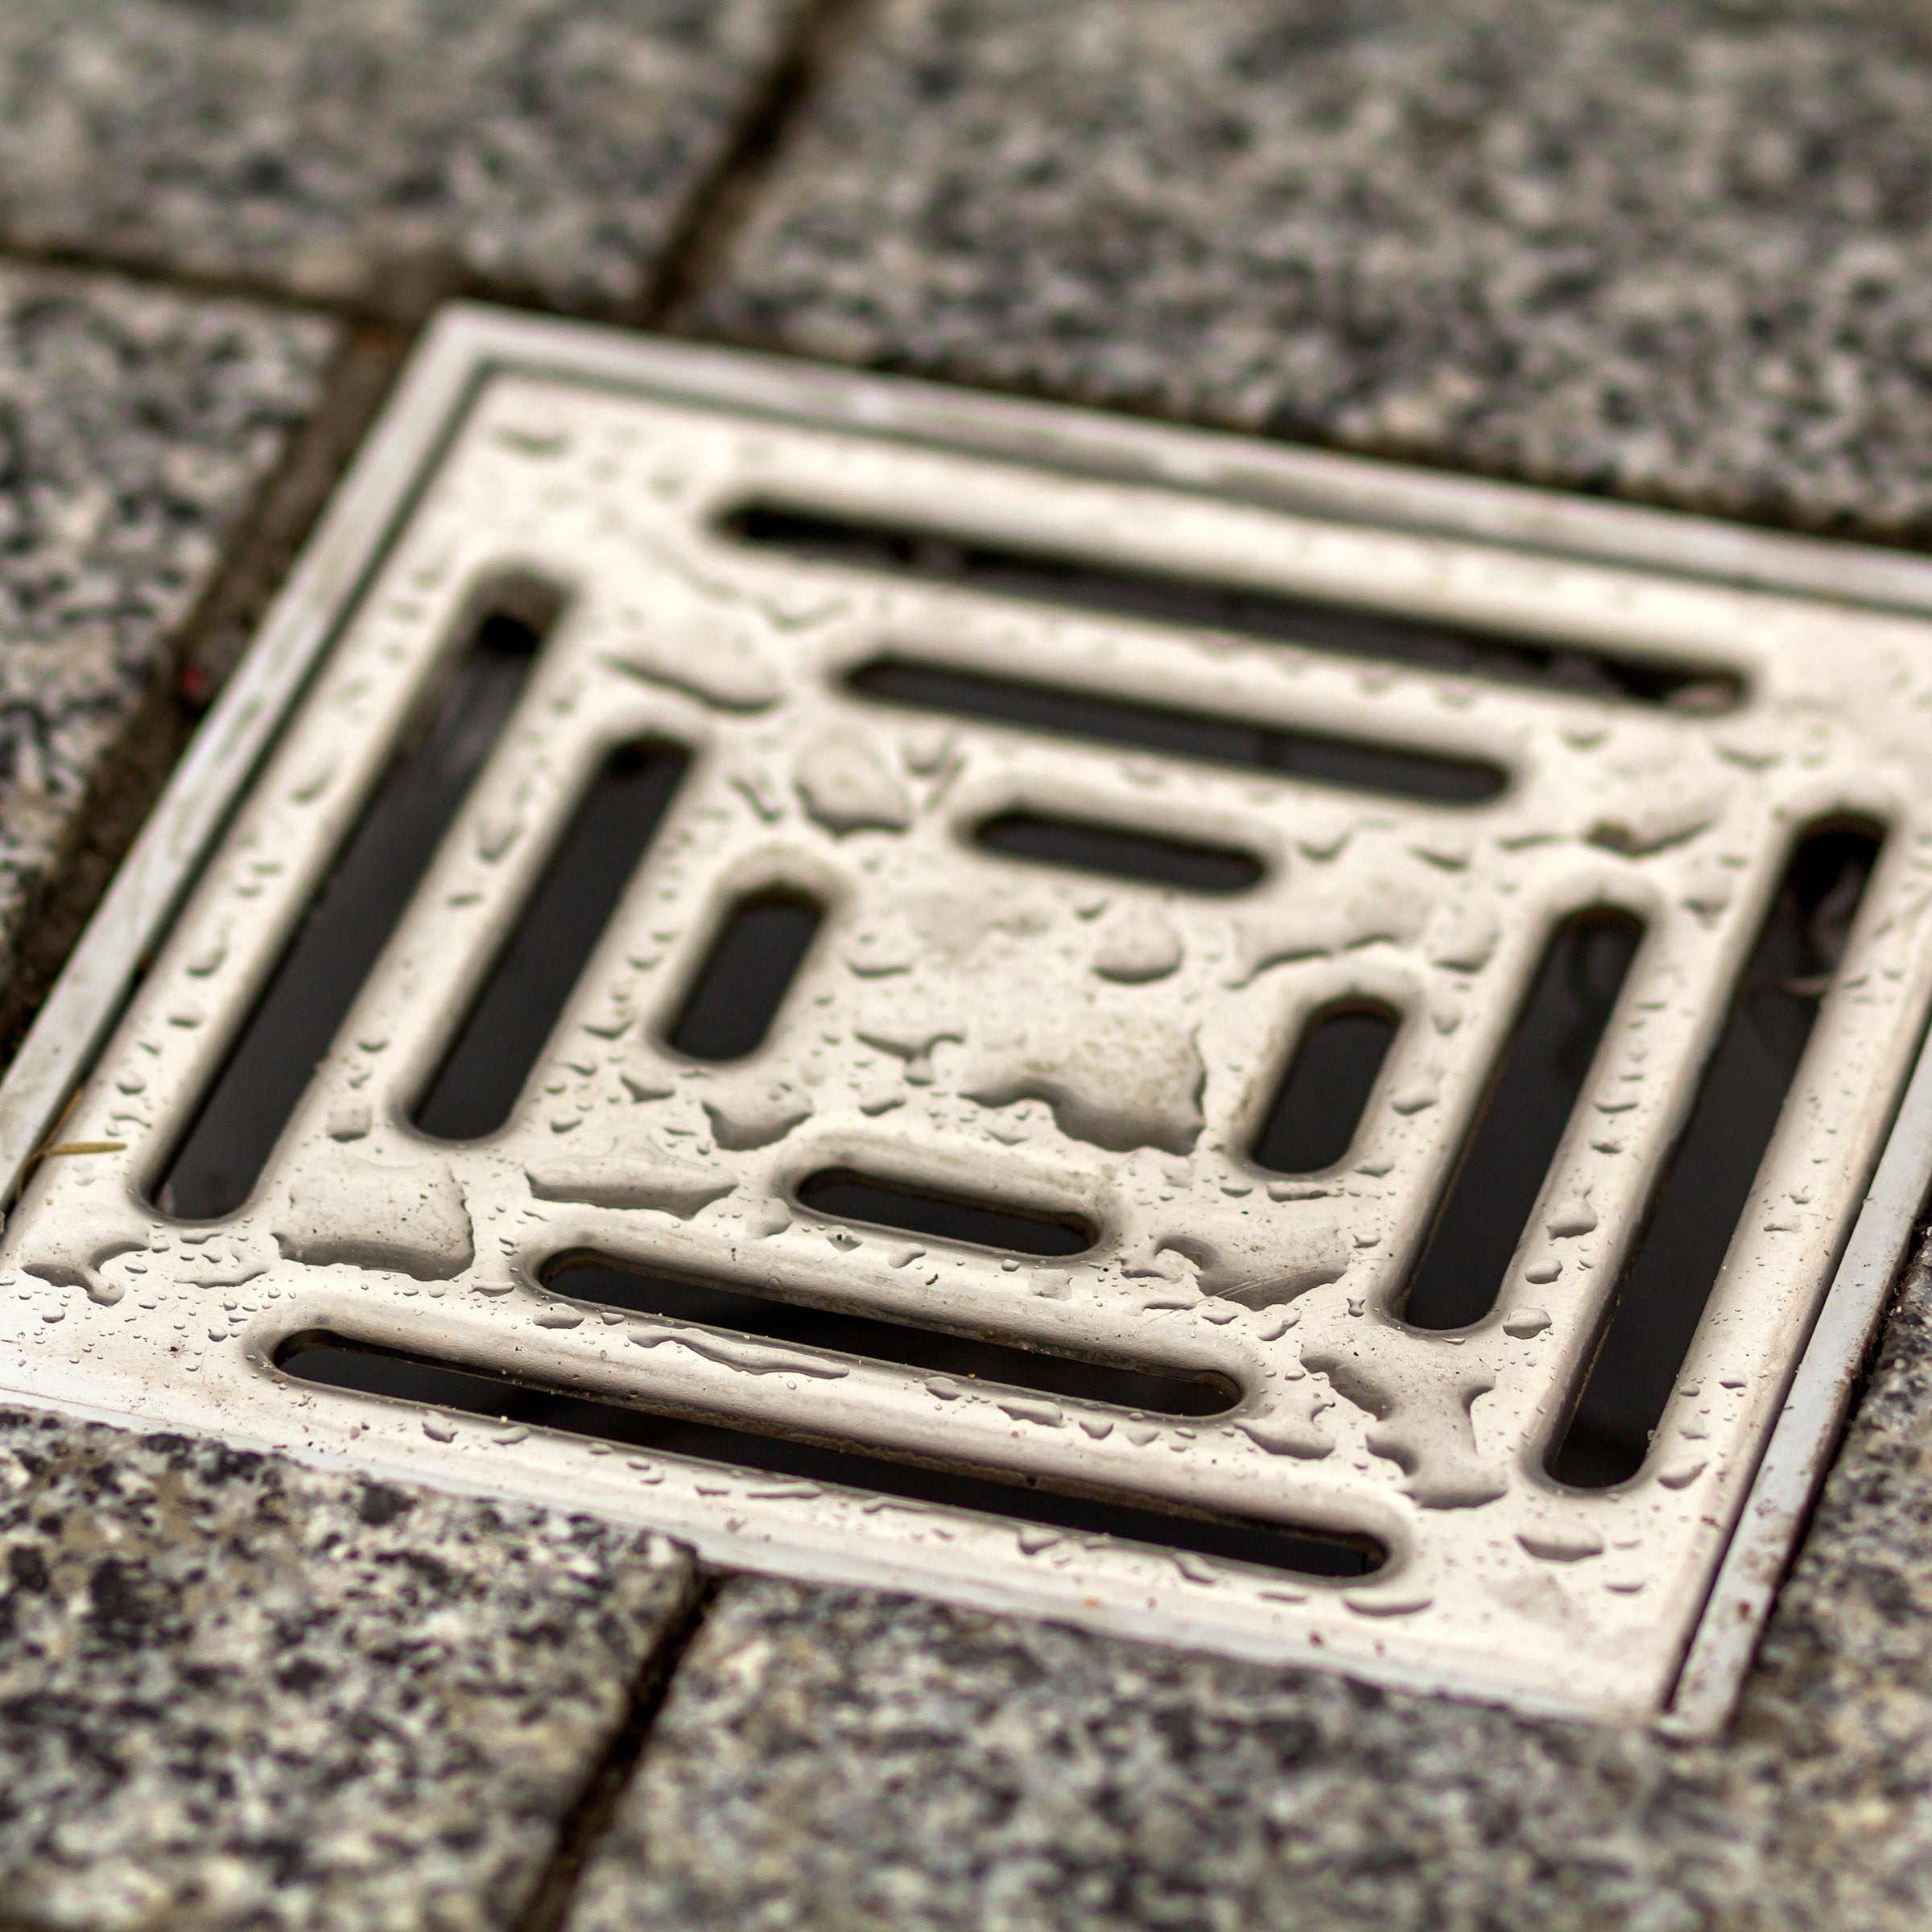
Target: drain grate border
x,y
468,344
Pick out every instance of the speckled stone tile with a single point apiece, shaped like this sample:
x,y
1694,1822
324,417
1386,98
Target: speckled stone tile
x,y
235,1693
836,1759
136,429
1679,251
378,151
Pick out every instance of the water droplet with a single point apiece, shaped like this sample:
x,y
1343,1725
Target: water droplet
x,y
1400,1605
1561,1545
496,833
847,786
314,780
1045,1415
1137,947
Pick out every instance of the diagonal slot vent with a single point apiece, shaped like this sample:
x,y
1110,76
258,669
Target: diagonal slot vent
x,y
1205,737
1044,576
478,1083
329,1361
745,977
734,1311
843,1196
454,730
1119,851
1714,1169
1542,1074
1319,1108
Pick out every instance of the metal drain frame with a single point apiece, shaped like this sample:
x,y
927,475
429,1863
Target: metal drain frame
x,y
468,346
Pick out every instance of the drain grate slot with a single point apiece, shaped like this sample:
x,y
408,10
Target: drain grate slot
x,y
1119,852
966,1358
485,1071
845,1196
1714,1169
1202,737
329,1361
936,556
216,1167
1319,1107
742,983
1551,1050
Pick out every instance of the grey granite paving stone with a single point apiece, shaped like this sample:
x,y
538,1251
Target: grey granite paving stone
x,y
237,1693
1680,251
833,1758
136,429
376,152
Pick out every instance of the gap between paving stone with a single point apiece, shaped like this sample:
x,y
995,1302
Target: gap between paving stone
x,y
699,242
141,427
378,155
236,1692
196,660
584,1827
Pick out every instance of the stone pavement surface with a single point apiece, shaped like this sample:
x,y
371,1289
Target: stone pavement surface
x,y
234,1692
380,152
137,429
1681,251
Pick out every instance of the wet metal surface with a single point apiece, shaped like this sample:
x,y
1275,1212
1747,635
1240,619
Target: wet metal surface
x,y
1038,1035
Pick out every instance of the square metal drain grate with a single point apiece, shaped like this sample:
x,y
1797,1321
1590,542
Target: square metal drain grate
x,y
1238,1047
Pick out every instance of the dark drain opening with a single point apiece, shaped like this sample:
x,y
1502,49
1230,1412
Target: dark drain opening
x,y
539,968
1714,1168
1201,736
1044,576
329,1361
745,977
1535,1090
1119,853
845,1196
444,746
1319,1107
735,1312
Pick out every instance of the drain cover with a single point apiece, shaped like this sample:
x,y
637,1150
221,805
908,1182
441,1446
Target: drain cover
x,y
1232,1046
